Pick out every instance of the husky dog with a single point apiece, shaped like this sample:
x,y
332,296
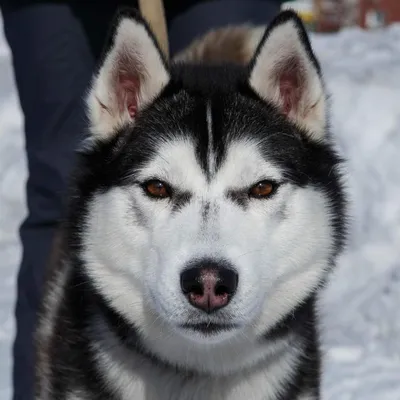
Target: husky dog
x,y
204,218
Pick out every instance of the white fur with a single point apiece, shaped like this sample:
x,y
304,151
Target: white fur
x,y
52,303
133,51
279,247
282,46
77,395
45,329
307,397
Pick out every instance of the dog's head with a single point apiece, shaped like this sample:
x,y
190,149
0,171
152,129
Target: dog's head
x,y
209,203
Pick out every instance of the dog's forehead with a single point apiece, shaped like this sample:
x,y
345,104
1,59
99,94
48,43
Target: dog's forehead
x,y
207,80
177,162
197,130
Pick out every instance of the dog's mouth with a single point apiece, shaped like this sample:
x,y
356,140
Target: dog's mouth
x,y
209,328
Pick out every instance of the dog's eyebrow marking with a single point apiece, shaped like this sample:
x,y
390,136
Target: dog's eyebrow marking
x,y
180,200
210,152
239,197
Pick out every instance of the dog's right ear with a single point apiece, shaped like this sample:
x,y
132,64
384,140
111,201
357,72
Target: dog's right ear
x,y
133,73
286,73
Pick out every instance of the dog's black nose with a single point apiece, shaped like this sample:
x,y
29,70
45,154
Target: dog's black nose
x,y
209,285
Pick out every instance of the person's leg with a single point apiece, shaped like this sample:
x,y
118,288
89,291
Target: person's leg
x,y
53,59
203,16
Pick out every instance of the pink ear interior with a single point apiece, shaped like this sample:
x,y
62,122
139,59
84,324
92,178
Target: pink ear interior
x,y
128,92
291,85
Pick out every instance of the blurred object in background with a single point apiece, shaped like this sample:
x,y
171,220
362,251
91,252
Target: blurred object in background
x,y
305,9
332,15
378,13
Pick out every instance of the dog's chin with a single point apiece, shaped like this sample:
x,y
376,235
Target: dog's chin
x,y
207,332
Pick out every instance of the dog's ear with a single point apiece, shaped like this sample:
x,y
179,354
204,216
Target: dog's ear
x,y
132,74
285,72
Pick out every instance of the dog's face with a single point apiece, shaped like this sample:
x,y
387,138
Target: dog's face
x,y
210,198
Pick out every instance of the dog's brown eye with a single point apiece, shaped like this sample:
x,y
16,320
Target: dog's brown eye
x,y
158,189
262,189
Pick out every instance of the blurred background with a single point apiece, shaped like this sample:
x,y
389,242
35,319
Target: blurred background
x,y
358,43
333,15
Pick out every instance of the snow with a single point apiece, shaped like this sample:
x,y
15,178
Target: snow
x,y
361,306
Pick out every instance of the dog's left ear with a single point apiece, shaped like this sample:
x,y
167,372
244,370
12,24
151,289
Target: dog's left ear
x,y
131,76
285,72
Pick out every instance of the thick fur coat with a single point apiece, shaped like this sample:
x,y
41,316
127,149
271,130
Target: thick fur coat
x,y
205,215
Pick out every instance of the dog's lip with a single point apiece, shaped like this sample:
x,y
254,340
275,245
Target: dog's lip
x,y
208,328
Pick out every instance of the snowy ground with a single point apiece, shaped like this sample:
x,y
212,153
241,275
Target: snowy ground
x,y
362,306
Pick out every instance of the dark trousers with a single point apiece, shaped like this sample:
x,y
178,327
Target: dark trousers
x,y
55,47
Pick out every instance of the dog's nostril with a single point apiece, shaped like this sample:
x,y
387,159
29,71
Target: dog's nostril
x,y
228,282
195,288
209,286
190,282
221,290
